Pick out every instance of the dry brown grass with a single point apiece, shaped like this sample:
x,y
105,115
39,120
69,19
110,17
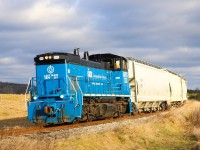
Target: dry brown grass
x,y
13,112
195,132
194,125
24,143
13,97
12,106
194,117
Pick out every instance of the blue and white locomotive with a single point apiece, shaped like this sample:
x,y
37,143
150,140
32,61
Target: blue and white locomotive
x,y
68,88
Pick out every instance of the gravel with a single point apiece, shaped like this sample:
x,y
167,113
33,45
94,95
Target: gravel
x,y
86,130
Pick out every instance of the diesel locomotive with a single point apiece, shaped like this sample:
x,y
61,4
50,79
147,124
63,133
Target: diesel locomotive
x,y
68,88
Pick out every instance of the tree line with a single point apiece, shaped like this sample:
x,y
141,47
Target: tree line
x,y
12,88
194,94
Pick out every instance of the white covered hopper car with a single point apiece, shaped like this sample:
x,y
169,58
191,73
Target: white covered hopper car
x,y
154,88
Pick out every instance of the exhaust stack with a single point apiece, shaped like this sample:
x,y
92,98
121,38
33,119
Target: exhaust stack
x,y
86,55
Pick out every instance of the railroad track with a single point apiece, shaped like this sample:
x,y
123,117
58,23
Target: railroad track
x,y
43,129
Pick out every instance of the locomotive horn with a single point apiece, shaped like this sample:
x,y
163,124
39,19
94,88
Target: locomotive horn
x,y
76,51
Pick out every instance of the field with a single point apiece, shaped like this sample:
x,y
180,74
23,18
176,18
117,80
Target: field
x,y
177,129
12,111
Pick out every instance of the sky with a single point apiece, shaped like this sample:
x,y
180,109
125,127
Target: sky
x,y
164,33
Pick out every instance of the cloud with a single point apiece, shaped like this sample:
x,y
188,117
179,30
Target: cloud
x,y
165,33
7,60
145,24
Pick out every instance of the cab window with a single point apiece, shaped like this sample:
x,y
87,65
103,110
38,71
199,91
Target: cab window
x,y
117,64
124,66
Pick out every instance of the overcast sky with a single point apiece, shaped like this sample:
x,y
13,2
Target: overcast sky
x,y
165,33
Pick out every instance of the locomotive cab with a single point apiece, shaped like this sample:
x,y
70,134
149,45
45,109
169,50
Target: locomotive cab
x,y
114,62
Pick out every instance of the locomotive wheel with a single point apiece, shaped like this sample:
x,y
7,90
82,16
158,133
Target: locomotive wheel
x,y
48,124
135,110
119,114
90,117
76,121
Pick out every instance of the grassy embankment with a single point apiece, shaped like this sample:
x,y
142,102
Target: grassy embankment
x,y
178,129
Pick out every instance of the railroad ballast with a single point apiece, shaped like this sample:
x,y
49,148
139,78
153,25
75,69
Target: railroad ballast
x,y
68,88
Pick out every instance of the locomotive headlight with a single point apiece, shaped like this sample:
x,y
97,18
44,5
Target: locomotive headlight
x,y
56,57
35,97
50,57
41,58
61,96
46,57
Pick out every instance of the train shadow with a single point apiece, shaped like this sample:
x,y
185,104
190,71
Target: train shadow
x,y
15,123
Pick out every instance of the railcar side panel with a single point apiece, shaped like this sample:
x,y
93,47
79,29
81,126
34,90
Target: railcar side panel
x,y
184,89
175,87
151,84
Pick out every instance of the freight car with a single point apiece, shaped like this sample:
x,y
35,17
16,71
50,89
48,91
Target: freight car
x,y
68,88
154,88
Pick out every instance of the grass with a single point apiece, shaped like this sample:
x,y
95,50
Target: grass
x,y
12,97
12,106
194,117
194,125
13,112
178,129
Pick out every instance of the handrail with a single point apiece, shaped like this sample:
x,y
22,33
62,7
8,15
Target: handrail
x,y
74,89
79,87
25,98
